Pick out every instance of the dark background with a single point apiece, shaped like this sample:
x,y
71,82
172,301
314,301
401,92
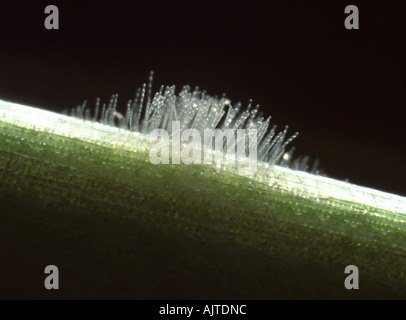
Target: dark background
x,y
343,90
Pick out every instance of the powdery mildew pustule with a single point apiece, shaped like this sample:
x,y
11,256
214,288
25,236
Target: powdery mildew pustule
x,y
194,109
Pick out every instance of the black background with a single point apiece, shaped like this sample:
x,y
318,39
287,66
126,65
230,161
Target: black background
x,y
343,90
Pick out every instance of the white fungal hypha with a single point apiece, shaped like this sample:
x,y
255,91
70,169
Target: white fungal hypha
x,y
194,109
